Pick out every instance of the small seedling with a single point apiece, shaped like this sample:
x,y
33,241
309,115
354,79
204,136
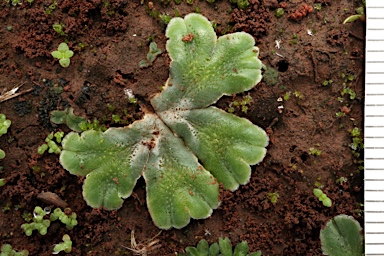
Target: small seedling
x,y
2,182
279,12
151,55
69,220
314,151
350,92
341,180
51,7
50,144
4,125
14,2
243,104
7,250
165,18
59,28
317,7
39,223
273,197
298,94
327,82
63,54
357,142
286,96
322,197
342,236
360,15
65,246
94,125
340,114
224,247
295,39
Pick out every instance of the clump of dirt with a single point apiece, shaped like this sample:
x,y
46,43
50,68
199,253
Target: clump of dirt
x,y
301,12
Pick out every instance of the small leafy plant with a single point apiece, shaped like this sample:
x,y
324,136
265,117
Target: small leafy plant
x,y
224,248
322,197
51,145
342,236
151,55
63,54
186,147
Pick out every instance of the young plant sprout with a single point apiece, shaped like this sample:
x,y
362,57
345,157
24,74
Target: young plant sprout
x,y
151,55
42,225
360,14
4,125
63,54
322,197
69,220
39,223
65,246
50,144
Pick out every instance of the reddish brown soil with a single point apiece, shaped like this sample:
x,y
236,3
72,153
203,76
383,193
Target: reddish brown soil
x,y
109,41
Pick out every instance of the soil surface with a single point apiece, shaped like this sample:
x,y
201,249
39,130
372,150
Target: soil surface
x,y
109,39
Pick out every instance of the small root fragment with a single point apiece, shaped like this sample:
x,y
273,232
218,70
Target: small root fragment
x,y
143,248
13,93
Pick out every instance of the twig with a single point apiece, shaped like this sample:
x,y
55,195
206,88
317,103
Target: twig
x,y
13,93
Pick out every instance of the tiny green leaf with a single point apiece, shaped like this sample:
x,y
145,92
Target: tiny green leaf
x,y
352,18
57,54
64,62
342,236
63,47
